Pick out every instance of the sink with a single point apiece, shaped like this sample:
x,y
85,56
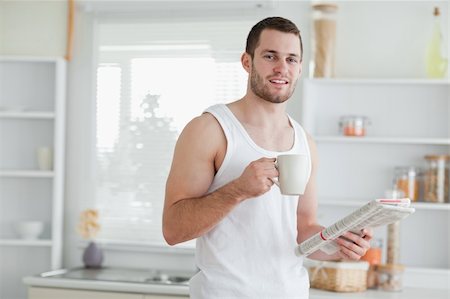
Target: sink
x,y
169,279
123,275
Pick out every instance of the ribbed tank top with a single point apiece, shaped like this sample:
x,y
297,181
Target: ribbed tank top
x,y
250,253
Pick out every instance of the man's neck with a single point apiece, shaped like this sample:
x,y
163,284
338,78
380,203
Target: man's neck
x,y
258,112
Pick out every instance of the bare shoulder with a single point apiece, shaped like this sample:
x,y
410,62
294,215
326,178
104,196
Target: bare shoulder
x,y
196,154
204,131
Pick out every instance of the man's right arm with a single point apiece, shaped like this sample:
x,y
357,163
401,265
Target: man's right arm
x,y
188,211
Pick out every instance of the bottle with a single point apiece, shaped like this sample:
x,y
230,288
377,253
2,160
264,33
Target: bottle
x,y
436,63
374,257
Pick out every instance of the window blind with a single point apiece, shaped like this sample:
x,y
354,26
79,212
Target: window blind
x,y
152,78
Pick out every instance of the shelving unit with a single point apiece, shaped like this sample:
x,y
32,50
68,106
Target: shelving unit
x,y
32,114
409,119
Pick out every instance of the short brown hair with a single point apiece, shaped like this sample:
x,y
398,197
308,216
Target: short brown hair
x,y
276,23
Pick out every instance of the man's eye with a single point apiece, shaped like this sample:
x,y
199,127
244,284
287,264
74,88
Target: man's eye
x,y
292,60
270,57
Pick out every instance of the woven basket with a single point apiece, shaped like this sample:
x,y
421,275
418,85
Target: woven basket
x,y
338,276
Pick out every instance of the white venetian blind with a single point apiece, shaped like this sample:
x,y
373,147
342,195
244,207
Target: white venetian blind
x,y
152,78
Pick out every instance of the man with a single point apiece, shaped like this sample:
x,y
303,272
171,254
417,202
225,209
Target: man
x,y
220,187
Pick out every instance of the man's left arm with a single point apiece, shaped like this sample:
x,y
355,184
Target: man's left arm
x,y
352,246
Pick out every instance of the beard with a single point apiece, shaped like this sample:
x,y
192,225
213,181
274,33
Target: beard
x,y
263,91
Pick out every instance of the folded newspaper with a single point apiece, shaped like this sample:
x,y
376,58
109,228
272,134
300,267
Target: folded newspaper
x,y
375,213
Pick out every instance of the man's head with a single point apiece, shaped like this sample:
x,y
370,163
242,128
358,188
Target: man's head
x,y
275,23
273,59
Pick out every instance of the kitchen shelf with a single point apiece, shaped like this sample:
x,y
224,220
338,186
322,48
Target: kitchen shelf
x,y
384,140
26,174
20,242
354,170
27,115
32,115
357,203
382,81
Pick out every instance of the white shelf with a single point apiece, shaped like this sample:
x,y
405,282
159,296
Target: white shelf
x,y
21,242
27,114
26,173
38,59
385,140
357,203
375,81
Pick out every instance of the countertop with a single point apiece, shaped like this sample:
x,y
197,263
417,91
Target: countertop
x,y
172,289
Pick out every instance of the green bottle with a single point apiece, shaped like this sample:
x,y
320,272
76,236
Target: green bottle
x,y
436,63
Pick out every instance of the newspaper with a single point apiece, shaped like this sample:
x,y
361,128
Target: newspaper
x,y
374,213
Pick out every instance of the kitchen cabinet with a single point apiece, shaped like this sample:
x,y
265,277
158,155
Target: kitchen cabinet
x,y
55,293
32,115
408,120
164,297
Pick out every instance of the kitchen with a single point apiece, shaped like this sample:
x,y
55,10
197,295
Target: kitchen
x,y
380,71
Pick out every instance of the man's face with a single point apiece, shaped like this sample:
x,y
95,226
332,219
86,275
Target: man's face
x,y
276,66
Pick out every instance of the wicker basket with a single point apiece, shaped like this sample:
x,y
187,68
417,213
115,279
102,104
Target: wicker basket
x,y
338,276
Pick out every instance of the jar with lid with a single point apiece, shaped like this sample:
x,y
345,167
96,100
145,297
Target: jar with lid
x,y
353,125
324,40
437,179
407,179
390,277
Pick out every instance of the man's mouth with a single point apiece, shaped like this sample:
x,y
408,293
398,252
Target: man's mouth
x,y
279,81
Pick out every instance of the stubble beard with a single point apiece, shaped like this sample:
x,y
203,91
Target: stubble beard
x,y
262,91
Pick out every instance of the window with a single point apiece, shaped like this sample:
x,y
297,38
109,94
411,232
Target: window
x,y
153,78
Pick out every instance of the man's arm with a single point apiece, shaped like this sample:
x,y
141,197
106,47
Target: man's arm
x,y
188,211
352,246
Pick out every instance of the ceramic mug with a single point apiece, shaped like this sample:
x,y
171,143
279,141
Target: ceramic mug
x,y
294,172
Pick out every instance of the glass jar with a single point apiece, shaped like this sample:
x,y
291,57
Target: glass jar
x,y
353,125
373,257
437,179
390,277
407,179
324,40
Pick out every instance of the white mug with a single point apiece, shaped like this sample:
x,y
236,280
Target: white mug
x,y
293,171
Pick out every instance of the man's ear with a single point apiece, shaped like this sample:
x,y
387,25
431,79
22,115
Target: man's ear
x,y
246,61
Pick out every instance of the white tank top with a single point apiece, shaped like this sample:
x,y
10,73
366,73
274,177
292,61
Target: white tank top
x,y
250,253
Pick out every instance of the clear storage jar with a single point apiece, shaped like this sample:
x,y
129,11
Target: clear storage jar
x,y
324,40
353,125
408,180
390,277
437,179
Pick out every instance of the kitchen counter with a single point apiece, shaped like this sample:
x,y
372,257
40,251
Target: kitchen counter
x,y
59,281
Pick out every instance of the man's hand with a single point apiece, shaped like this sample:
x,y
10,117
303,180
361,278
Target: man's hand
x,y
354,246
257,177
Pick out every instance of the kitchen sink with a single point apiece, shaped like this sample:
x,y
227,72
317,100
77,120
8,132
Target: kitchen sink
x,y
122,275
168,279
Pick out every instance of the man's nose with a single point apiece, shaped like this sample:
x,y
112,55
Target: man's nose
x,y
280,66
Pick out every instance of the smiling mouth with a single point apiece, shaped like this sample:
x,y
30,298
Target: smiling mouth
x,y
277,81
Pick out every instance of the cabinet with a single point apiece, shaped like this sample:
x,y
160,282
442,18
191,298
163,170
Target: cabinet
x,y
409,119
32,115
53,293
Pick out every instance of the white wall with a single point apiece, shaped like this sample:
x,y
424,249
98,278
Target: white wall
x,y
375,38
36,28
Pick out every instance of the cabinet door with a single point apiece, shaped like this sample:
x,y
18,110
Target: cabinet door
x,y
53,293
165,296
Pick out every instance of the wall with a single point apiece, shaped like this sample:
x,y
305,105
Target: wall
x,y
36,28
375,39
